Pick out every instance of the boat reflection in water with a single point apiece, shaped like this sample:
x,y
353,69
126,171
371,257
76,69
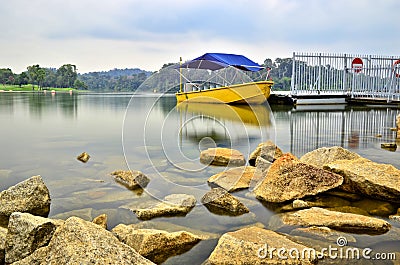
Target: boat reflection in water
x,y
222,125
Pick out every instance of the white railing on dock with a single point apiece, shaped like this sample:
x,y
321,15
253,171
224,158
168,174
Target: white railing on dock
x,y
357,76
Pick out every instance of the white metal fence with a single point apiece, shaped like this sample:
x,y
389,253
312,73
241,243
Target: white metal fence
x,y
358,76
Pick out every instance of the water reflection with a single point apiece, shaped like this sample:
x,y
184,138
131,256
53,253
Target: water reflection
x,y
225,125
356,128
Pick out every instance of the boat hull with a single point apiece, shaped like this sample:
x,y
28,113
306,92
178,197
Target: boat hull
x,y
247,93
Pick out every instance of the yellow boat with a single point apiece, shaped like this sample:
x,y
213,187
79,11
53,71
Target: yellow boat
x,y
245,93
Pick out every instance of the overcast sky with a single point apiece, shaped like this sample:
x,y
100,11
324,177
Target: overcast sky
x,y
102,35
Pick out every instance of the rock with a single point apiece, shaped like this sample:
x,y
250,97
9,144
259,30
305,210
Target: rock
x,y
26,233
131,179
101,220
375,207
395,218
29,196
267,150
389,146
222,157
289,179
325,155
262,166
174,204
322,233
379,181
347,222
3,234
155,245
84,157
82,242
235,178
255,245
219,201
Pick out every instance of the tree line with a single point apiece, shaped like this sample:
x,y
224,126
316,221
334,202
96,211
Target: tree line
x,y
63,77
117,80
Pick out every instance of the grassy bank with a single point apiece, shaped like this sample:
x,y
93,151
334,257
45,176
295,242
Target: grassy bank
x,y
32,88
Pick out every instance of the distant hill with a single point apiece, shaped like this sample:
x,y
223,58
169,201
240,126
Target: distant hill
x,y
115,80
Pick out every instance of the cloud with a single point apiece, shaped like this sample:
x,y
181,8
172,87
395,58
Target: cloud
x,y
126,32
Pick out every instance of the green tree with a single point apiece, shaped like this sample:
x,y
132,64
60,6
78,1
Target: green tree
x,y
33,72
6,76
78,84
66,75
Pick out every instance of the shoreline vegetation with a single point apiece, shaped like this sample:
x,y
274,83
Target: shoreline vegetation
x,y
120,80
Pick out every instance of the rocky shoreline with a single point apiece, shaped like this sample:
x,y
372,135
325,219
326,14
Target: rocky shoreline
x,y
319,197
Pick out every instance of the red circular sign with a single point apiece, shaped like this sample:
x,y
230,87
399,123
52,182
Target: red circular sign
x,y
357,64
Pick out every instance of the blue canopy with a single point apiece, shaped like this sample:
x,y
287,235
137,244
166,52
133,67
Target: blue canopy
x,y
215,61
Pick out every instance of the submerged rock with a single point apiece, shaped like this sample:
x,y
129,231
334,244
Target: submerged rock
x,y
84,157
29,196
26,233
131,179
317,201
172,205
255,245
155,245
267,150
170,227
379,181
219,201
235,178
82,242
375,207
289,179
325,155
347,222
322,233
222,157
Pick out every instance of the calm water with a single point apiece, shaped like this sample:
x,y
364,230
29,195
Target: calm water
x,y
41,134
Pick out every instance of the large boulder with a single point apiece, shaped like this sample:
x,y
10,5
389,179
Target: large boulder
x,y
235,178
155,245
219,201
379,181
346,222
29,196
26,233
131,179
325,155
82,242
172,205
255,245
222,157
289,179
267,150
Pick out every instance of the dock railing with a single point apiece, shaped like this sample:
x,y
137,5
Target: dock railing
x,y
352,75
